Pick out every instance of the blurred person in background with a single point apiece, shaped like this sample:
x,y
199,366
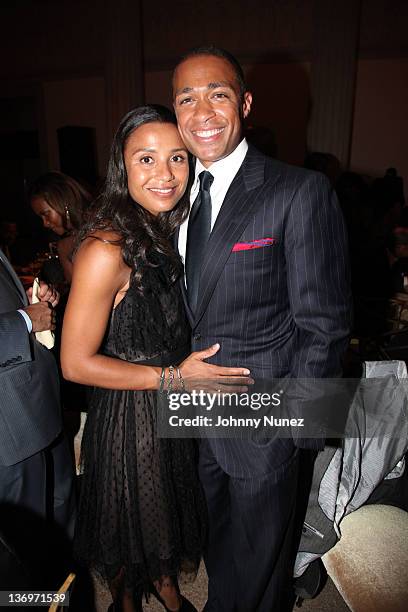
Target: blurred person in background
x,y
398,257
8,237
388,198
370,270
326,163
16,243
60,202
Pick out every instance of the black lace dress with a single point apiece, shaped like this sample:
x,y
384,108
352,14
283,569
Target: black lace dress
x,y
142,512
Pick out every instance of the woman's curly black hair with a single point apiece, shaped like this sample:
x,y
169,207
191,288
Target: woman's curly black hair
x,y
145,239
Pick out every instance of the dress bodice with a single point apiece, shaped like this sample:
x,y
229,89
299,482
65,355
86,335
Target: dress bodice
x,y
145,327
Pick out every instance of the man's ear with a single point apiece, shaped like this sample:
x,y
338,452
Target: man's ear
x,y
246,105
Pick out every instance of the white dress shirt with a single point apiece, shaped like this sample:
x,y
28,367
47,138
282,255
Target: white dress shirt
x,y
27,320
224,172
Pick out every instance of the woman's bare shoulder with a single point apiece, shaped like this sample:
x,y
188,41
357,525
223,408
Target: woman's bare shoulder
x,y
109,237
102,241
101,249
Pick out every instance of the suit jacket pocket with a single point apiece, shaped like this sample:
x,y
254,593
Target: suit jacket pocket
x,y
251,256
16,376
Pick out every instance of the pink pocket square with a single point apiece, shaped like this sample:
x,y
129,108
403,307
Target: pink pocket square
x,y
254,244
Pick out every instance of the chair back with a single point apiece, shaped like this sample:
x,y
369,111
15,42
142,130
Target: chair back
x,y
62,594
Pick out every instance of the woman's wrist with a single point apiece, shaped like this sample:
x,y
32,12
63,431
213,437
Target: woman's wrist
x,y
156,378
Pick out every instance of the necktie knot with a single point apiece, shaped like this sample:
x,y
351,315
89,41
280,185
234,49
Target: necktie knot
x,y
206,180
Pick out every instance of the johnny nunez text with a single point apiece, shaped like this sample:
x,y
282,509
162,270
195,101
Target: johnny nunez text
x,y
205,421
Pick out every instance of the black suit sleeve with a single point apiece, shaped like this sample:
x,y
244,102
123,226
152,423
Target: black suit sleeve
x,y
318,279
14,340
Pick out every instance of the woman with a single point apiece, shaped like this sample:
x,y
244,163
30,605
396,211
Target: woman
x,y
142,512
60,202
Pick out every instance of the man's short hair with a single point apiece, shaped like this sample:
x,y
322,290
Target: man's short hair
x,y
223,54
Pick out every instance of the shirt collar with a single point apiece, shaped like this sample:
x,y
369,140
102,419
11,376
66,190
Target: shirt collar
x,y
225,168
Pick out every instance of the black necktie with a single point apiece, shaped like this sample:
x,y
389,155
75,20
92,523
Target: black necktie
x,y
199,229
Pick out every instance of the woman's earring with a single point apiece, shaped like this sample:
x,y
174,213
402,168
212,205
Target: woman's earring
x,y
67,215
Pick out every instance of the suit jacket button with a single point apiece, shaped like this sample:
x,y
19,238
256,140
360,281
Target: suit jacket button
x,y
197,337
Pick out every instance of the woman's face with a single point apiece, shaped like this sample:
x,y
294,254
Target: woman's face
x,y
51,218
156,162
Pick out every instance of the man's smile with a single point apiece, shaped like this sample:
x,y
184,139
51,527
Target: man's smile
x,y
208,133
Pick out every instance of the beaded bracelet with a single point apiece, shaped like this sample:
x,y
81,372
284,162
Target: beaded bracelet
x,y
170,380
162,379
181,379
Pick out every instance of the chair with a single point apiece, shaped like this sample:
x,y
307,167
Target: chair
x,y
369,564
64,590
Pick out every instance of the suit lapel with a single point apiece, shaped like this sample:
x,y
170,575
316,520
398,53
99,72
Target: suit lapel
x,y
239,206
12,278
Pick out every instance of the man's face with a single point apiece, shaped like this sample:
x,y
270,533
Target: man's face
x,y
208,106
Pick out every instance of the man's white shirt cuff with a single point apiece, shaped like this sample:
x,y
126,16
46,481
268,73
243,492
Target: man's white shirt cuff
x,y
27,320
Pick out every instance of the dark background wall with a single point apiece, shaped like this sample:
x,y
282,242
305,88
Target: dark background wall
x,y
55,57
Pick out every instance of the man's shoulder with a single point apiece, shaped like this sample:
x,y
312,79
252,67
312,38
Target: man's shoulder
x,y
9,298
286,174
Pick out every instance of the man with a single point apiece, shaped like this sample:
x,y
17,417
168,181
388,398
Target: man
x,y
35,464
266,277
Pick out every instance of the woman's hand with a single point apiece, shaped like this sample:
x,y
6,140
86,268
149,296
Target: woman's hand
x,y
195,368
47,293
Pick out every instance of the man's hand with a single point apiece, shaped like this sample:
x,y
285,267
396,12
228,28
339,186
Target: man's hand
x,y
47,293
42,316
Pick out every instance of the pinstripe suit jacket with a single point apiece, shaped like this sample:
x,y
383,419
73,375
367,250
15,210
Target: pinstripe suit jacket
x,y
283,309
30,416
